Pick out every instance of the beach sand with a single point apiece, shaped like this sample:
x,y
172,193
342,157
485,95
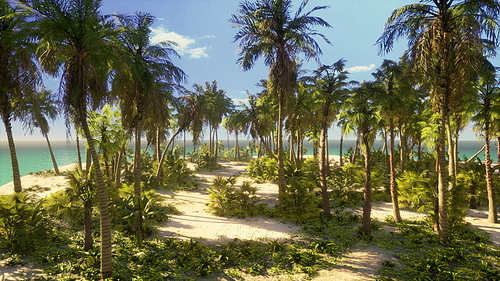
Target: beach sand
x,y
52,183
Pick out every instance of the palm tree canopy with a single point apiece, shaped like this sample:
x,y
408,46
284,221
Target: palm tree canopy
x,y
268,29
37,110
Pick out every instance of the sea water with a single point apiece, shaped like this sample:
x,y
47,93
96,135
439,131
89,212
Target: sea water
x,y
34,156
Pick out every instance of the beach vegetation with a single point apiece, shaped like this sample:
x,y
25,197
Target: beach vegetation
x,y
22,219
229,200
263,169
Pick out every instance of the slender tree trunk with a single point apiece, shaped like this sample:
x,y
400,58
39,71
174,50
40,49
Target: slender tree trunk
x,y
367,192
340,150
237,146
164,154
392,175
88,242
492,207
281,152
106,258
78,151
54,162
137,160
323,170
118,167
16,175
451,158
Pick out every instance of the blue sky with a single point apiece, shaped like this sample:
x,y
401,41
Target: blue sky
x,y
207,50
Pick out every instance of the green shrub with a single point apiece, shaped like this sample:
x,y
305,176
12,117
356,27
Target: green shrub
x,y
175,172
263,169
21,221
346,181
230,201
299,203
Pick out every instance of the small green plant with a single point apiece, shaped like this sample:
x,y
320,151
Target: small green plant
x,y
230,201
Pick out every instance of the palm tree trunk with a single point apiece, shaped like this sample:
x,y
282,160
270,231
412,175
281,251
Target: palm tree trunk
x,y
78,151
106,258
492,211
88,242
392,175
281,152
54,162
137,160
163,155
442,182
16,175
340,150
367,192
323,170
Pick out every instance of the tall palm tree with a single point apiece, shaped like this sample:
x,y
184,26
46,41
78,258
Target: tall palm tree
x,y
77,40
330,89
487,116
362,117
388,74
268,29
445,45
19,74
140,83
35,111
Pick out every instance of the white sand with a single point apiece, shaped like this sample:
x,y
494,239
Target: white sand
x,y
54,184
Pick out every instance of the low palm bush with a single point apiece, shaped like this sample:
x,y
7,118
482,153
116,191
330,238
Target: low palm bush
x,y
228,200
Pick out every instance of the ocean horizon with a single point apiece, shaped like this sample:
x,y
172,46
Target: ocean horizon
x,y
34,156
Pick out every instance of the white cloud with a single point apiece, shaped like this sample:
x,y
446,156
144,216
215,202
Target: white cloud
x,y
184,43
240,102
361,68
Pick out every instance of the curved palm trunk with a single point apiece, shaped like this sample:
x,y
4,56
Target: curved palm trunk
x,y
13,156
163,155
392,174
78,151
106,258
323,169
367,192
54,162
492,211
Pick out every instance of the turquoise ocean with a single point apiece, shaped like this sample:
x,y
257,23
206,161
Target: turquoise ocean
x,y
34,156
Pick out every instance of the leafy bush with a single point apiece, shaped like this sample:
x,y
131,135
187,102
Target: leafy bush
x,y
204,159
230,201
263,169
21,221
416,190
345,182
299,203
175,172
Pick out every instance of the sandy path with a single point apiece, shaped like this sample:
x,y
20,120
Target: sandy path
x,y
195,220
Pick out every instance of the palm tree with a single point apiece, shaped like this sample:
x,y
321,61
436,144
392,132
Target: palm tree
x,y
486,118
361,116
389,73
330,89
216,104
445,46
268,28
77,40
35,111
19,74
140,83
